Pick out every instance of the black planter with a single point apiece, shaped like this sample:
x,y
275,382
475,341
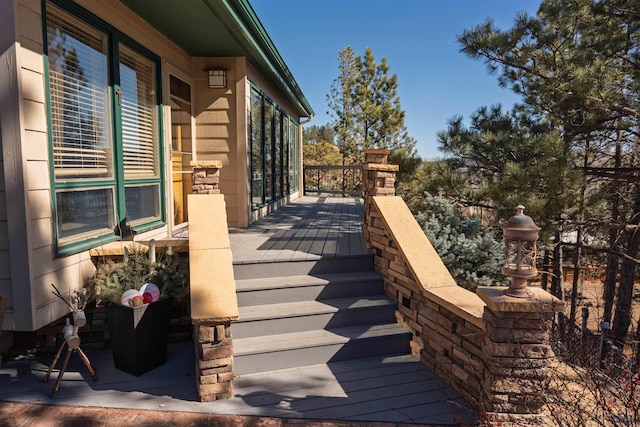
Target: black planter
x,y
139,335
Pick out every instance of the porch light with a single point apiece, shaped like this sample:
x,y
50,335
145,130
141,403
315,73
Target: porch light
x,y
217,78
520,236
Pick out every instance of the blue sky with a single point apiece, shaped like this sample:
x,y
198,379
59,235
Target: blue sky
x,y
418,38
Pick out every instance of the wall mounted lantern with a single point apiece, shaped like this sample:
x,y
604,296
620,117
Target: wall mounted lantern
x,y
217,78
520,236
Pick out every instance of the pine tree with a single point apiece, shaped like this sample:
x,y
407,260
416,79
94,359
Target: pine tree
x,y
366,108
577,65
501,160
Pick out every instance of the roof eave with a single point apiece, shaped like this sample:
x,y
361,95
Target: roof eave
x,y
266,56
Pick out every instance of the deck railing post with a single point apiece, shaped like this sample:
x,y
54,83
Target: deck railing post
x,y
304,180
517,355
214,303
378,179
206,177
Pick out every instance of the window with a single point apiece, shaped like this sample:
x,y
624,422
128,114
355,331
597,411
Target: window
x,y
257,155
294,157
104,133
285,155
139,141
268,150
277,160
272,144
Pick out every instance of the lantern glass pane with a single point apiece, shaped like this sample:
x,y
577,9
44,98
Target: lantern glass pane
x,y
511,254
528,254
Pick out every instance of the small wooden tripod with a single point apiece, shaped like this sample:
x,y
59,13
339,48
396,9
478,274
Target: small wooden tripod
x,y
72,341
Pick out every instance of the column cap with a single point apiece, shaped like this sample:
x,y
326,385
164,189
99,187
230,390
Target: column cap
x,y
538,301
206,164
381,167
374,155
376,151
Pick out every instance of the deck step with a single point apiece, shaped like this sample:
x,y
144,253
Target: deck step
x,y
297,313
274,290
311,265
289,350
299,316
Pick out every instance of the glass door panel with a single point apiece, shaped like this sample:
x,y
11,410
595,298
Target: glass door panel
x,y
181,147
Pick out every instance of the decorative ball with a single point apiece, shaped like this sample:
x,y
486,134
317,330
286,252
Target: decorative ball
x,y
136,301
147,298
150,292
127,296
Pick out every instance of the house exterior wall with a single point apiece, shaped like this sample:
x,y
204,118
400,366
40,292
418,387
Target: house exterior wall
x,y
26,229
221,129
5,262
20,139
28,262
221,134
7,52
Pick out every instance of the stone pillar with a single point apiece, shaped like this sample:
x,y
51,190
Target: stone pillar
x,y
517,355
214,360
214,303
206,176
378,179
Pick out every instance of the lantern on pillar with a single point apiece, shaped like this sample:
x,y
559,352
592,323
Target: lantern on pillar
x,y
520,236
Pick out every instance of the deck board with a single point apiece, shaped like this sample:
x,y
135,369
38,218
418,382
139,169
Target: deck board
x,y
308,228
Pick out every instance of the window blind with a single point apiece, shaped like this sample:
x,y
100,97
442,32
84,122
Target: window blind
x,y
139,119
79,99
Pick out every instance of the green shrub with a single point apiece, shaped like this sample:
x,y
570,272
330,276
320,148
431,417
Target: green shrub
x,y
471,253
169,273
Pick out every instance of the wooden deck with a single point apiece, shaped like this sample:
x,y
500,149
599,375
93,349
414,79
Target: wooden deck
x,y
396,389
393,389
308,228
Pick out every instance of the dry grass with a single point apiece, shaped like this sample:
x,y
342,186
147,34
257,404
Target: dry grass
x,y
590,294
579,396
585,391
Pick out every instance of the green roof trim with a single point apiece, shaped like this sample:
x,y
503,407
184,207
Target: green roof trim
x,y
223,28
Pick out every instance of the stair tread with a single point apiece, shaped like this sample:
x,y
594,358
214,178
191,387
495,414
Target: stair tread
x,y
321,337
306,308
304,280
296,258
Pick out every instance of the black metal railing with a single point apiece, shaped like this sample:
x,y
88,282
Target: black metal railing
x,y
345,181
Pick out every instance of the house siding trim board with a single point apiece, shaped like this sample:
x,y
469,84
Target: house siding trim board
x,y
12,125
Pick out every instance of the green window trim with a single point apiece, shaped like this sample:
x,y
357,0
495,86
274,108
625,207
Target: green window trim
x,y
105,143
86,244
